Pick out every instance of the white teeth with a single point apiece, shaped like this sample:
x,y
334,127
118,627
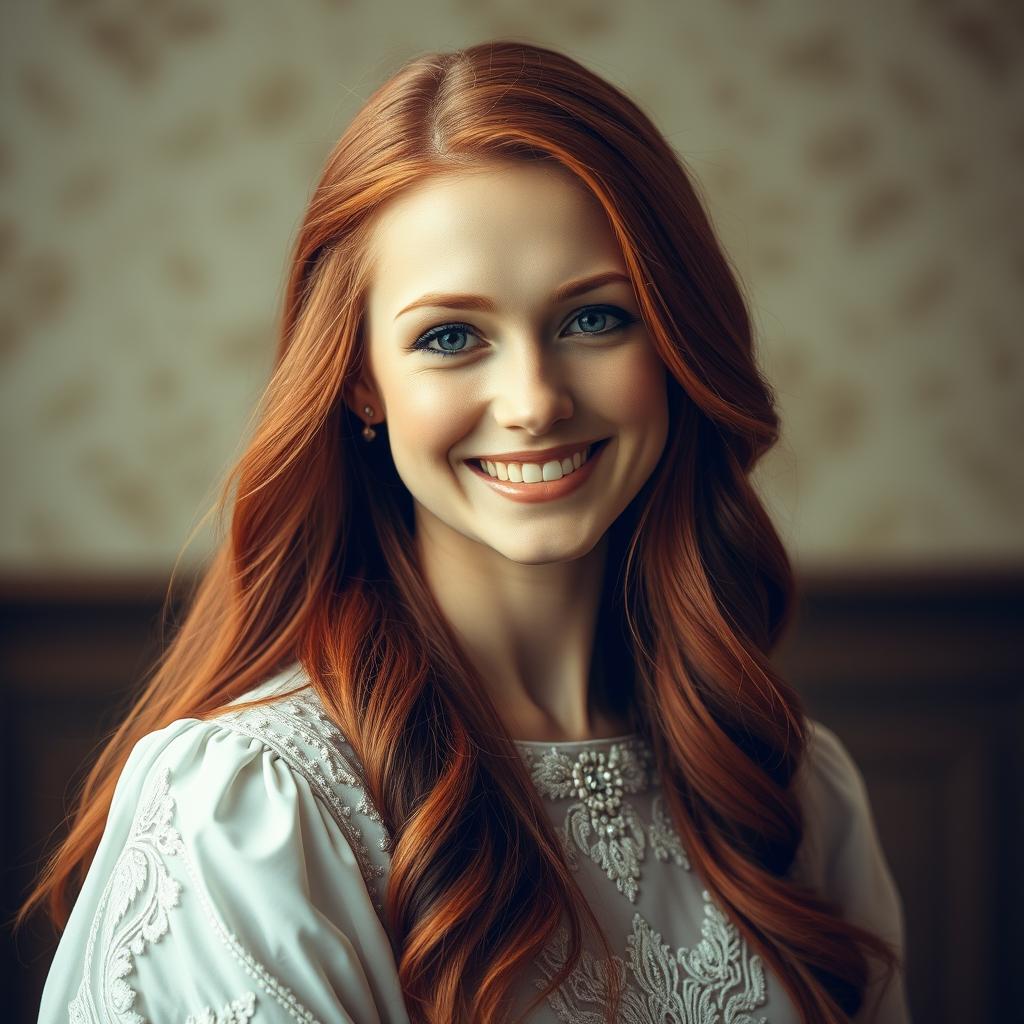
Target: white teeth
x,y
534,473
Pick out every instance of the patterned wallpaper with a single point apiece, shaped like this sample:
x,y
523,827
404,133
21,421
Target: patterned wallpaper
x,y
863,162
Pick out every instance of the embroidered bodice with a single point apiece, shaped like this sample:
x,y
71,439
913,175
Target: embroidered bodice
x,y
242,873
598,778
607,804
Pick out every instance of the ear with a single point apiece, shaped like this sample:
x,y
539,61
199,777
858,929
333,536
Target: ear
x,y
361,393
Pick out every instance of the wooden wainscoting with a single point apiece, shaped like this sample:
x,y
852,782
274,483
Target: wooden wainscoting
x,y
919,675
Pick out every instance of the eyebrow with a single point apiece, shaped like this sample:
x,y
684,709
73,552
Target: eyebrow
x,y
485,305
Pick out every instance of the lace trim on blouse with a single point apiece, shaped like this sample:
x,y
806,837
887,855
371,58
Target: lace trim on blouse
x,y
299,729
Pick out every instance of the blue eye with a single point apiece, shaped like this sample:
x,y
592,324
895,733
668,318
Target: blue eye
x,y
444,334
598,316
447,335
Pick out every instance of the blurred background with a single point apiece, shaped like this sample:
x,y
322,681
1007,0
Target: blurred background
x,y
864,165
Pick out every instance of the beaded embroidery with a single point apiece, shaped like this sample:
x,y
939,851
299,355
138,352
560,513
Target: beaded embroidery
x,y
299,729
600,823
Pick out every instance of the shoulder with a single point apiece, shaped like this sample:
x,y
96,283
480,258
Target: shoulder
x,y
829,781
841,855
839,828
287,751
233,872
297,729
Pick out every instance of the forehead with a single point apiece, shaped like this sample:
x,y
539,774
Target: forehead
x,y
511,227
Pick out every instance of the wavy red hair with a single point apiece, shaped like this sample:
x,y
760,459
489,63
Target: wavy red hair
x,y
318,566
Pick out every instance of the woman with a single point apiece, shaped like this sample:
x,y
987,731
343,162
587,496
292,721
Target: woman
x,y
475,720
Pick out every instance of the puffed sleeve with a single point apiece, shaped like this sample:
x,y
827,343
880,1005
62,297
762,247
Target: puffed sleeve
x,y
841,857
223,891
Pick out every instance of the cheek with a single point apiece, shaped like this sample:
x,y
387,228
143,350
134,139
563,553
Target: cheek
x,y
633,387
426,414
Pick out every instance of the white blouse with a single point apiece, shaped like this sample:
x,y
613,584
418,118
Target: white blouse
x,y
241,877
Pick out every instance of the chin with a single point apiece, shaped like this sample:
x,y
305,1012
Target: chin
x,y
547,552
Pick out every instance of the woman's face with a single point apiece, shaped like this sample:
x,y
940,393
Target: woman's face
x,y
477,349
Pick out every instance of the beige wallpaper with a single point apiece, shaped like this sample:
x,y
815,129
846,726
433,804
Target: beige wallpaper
x,y
863,162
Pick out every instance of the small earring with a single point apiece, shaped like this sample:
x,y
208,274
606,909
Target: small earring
x,y
368,432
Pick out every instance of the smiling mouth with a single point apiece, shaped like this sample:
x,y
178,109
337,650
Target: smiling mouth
x,y
537,472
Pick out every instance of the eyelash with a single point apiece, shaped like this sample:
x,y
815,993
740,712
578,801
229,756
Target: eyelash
x,y
421,343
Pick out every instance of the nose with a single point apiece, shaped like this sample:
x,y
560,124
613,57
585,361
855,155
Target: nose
x,y
532,391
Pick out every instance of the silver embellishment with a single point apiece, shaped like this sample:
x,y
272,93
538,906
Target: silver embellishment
x,y
715,982
600,823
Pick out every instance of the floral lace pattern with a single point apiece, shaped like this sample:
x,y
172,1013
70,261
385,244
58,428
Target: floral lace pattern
x,y
133,911
238,1011
665,842
140,880
600,823
715,982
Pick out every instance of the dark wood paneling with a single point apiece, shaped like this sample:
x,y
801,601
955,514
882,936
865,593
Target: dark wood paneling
x,y
920,676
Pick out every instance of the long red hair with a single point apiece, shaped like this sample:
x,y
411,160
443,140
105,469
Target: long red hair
x,y
318,566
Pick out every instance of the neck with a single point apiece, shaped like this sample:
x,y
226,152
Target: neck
x,y
528,630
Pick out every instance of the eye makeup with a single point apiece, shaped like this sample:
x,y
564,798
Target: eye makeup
x,y
625,320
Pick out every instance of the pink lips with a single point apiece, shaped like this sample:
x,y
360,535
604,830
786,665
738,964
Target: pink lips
x,y
548,490
559,452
